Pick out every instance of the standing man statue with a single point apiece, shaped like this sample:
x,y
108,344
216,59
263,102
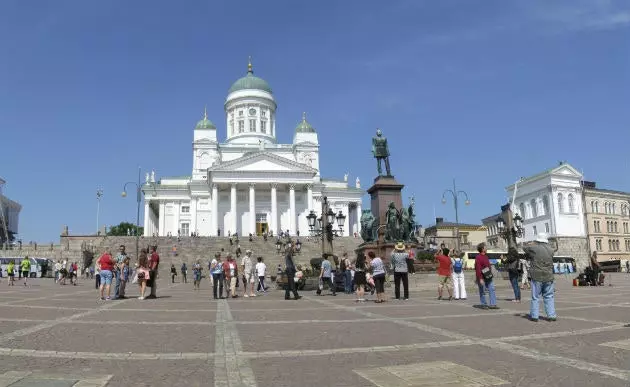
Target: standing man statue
x,y
381,152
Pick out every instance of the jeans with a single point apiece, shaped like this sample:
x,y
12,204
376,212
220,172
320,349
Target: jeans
x,y
493,294
261,283
404,277
98,281
347,281
217,280
515,287
117,287
153,274
547,291
123,284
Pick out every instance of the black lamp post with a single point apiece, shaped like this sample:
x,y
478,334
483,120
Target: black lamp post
x,y
324,227
138,200
455,193
511,229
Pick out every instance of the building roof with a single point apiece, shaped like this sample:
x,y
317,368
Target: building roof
x,y
304,126
250,82
592,188
205,123
561,165
453,225
491,218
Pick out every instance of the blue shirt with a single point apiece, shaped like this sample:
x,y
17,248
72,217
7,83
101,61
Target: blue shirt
x,y
327,268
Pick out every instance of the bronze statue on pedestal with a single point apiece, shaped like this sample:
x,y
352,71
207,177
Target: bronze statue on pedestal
x,y
380,151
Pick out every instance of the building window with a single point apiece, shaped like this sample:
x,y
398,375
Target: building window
x,y
571,204
609,245
263,113
625,227
263,126
616,227
546,205
240,113
614,209
607,226
547,228
598,244
534,208
185,209
592,206
595,226
521,208
560,203
627,244
596,207
535,230
184,229
241,126
252,125
232,127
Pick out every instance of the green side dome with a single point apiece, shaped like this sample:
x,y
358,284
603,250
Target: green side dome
x,y
205,123
250,81
304,126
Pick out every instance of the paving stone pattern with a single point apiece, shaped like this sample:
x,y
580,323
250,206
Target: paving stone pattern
x,y
53,335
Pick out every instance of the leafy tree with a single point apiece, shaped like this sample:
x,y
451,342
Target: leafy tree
x,y
123,228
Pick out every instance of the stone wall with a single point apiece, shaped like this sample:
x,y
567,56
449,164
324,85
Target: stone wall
x,y
575,247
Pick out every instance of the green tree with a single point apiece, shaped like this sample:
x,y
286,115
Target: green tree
x,y
123,229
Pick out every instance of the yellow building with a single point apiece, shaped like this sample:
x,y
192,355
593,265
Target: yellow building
x,y
470,235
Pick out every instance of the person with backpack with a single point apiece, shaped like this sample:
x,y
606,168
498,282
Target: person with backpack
x,y
459,283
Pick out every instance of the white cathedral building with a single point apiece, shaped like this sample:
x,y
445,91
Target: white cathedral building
x,y
249,183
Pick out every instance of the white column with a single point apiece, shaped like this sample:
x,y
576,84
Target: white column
x,y
274,209
345,208
215,209
193,214
161,219
309,197
176,208
233,208
146,219
252,208
292,209
359,212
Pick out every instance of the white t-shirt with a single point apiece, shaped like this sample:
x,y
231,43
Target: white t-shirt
x,y
260,269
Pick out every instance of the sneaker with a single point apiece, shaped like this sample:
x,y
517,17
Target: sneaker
x,y
108,298
493,307
439,298
405,299
140,298
552,319
298,297
102,298
246,296
530,318
450,298
252,295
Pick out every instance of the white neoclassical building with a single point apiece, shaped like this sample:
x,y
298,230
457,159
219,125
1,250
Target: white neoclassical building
x,y
250,183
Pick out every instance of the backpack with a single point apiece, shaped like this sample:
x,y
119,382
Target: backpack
x,y
458,265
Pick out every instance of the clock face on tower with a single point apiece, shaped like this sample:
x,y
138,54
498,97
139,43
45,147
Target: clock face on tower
x,y
252,112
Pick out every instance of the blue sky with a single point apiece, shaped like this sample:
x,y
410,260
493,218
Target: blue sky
x,y
484,91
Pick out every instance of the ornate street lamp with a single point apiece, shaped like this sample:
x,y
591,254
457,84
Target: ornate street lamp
x,y
455,193
319,223
341,219
324,229
138,201
312,218
513,228
330,216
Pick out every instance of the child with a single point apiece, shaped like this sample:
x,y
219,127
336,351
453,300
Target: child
x,y
125,272
197,275
11,273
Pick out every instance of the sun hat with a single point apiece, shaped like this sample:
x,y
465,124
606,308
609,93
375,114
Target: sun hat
x,y
400,246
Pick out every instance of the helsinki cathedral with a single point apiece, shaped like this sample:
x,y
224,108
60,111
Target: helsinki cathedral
x,y
249,183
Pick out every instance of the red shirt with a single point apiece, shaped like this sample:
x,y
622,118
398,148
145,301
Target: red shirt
x,y
106,262
444,268
154,261
481,261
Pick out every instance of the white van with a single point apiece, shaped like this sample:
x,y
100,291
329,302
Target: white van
x,y
36,269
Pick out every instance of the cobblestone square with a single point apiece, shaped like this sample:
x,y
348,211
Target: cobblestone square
x,y
53,335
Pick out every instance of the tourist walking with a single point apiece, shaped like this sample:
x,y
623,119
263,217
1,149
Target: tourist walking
x,y
411,259
143,273
230,272
247,267
596,269
120,258
459,277
197,276
57,271
525,278
512,264
378,275
216,271
154,264
444,273
346,269
540,254
25,267
97,275
173,273
105,265
359,277
289,269
125,273
261,268
11,273
401,270
184,270
325,277
484,278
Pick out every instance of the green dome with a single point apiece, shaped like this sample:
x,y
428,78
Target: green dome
x,y
250,81
205,123
304,126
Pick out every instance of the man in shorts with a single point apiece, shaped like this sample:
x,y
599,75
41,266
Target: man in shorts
x,y
444,272
25,268
247,267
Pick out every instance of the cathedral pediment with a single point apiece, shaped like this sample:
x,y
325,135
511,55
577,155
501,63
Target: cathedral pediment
x,y
261,162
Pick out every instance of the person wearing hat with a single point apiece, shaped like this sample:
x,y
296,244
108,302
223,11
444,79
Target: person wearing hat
x,y
247,267
401,271
540,254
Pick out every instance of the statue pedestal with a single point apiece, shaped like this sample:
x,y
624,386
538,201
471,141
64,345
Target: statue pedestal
x,y
384,191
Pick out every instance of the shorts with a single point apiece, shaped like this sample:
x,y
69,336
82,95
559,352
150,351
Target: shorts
x,y
444,280
25,273
359,278
106,277
379,283
248,278
11,274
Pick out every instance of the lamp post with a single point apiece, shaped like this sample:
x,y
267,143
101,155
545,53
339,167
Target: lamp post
x,y
325,223
99,195
511,229
455,193
138,200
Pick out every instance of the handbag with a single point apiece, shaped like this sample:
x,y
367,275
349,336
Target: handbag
x,y
135,278
486,272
